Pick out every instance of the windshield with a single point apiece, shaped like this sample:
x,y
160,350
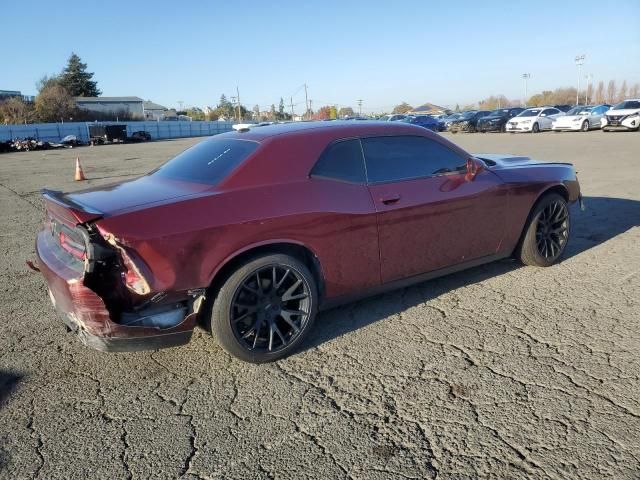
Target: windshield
x,y
500,112
627,104
207,162
468,115
579,110
531,113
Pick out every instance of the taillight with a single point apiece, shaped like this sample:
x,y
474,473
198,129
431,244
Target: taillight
x,y
133,279
72,245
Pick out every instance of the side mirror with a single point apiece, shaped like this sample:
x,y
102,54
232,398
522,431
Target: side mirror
x,y
474,167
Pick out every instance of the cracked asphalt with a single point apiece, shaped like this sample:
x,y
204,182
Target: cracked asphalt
x,y
501,371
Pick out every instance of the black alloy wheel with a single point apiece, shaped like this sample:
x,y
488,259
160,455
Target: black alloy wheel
x,y
270,308
546,234
552,230
265,308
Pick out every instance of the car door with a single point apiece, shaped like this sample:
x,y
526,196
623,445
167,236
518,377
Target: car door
x,y
430,215
597,114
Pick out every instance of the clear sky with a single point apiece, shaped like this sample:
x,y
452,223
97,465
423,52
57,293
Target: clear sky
x,y
382,52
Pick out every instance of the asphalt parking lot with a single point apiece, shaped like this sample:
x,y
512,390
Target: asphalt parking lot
x,y
500,371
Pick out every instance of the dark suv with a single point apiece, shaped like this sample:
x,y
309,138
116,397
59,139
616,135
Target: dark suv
x,y
496,121
468,121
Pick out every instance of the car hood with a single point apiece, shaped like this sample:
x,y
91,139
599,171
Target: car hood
x,y
570,118
500,161
494,117
521,119
132,194
622,113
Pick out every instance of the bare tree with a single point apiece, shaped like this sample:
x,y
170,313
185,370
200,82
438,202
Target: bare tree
x,y
611,91
634,91
622,93
14,110
600,92
54,103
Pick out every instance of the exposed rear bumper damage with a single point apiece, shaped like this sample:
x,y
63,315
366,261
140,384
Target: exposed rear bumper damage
x,y
106,319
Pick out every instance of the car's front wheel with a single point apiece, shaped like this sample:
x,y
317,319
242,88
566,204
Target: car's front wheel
x,y
547,233
535,128
265,308
585,126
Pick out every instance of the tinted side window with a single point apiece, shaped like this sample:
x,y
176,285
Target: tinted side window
x,y
207,162
341,161
391,159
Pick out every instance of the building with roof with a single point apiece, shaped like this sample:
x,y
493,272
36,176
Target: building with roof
x,y
132,105
428,109
7,94
154,111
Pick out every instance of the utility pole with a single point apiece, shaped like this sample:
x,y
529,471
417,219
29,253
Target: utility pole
x,y
239,111
310,107
291,99
526,77
360,107
307,104
579,62
233,100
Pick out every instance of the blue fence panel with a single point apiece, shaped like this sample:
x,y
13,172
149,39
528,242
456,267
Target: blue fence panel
x,y
54,132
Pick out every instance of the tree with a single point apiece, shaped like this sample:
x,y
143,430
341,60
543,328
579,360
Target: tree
x,y
15,110
404,107
457,107
225,108
599,93
195,113
272,113
611,91
346,112
324,113
333,112
76,80
622,93
54,104
281,114
634,91
256,112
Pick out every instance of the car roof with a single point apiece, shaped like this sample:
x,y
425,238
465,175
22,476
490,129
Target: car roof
x,y
343,128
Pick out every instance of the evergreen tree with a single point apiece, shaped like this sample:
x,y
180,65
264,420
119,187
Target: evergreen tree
x,y
281,115
76,80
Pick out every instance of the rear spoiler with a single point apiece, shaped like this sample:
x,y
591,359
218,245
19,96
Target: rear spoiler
x,y
63,207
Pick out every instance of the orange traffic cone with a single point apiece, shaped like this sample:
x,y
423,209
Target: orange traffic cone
x,y
79,173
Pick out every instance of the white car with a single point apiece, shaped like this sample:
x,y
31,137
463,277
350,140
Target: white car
x,y
395,117
534,120
582,117
623,116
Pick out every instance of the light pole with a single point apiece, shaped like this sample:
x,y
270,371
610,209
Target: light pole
x,y
526,77
579,62
588,78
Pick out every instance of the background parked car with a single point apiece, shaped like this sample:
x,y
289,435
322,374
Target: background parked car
x,y
139,136
581,118
534,120
468,122
564,108
623,116
425,121
496,121
448,119
396,117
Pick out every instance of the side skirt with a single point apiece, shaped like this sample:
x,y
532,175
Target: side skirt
x,y
405,282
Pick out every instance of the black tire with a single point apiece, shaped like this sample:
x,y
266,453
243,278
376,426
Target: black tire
x,y
503,129
243,308
585,126
546,234
535,128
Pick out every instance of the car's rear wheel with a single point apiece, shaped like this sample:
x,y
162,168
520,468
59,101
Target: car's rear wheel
x,y
585,126
265,309
535,128
547,233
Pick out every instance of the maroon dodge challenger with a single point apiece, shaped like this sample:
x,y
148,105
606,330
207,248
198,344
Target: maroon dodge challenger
x,y
250,233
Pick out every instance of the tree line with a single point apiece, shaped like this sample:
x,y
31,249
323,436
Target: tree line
x,y
54,102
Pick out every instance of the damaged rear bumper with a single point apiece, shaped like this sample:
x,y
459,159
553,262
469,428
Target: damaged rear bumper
x,y
84,311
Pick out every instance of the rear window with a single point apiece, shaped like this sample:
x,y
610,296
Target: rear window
x,y
207,162
341,161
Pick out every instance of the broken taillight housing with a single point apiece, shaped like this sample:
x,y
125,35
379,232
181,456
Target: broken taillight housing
x,y
132,277
72,243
